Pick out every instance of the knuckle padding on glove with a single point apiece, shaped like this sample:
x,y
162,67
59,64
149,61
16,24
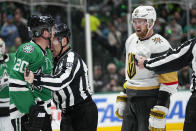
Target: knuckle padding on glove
x,y
157,129
121,98
157,114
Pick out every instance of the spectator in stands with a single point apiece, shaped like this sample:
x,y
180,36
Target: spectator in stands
x,y
21,26
121,76
191,28
98,78
173,32
22,19
114,36
158,27
0,20
184,77
164,15
120,63
9,31
111,73
121,23
18,42
113,86
193,12
94,22
179,19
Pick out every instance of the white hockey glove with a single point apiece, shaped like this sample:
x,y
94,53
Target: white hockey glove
x,y
121,101
157,119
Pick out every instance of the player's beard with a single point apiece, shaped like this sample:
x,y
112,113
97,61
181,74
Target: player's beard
x,y
142,34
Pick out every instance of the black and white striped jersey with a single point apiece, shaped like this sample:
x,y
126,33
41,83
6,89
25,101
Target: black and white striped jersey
x,y
69,80
175,59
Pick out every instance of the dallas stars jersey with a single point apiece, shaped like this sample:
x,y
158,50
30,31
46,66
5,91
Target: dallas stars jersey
x,y
45,94
5,67
21,96
142,82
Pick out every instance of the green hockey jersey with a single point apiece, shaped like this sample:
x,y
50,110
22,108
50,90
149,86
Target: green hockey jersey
x,y
45,94
21,96
5,67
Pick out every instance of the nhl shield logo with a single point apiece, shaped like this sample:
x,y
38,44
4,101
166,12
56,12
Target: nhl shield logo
x,y
28,48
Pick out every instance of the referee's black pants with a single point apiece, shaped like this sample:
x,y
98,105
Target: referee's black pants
x,y
190,116
83,117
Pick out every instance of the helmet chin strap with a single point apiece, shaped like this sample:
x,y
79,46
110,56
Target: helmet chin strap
x,y
60,40
61,50
149,28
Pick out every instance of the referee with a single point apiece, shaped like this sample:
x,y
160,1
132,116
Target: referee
x,y
69,82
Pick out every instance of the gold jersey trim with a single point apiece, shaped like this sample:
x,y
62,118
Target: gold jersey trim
x,y
143,88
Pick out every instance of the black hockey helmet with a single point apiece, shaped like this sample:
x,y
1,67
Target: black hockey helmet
x,y
62,30
38,24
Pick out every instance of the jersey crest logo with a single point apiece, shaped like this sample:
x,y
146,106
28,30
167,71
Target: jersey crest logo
x,y
131,65
157,40
4,80
28,48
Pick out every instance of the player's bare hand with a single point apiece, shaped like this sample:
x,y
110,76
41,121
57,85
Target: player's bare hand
x,y
28,76
141,62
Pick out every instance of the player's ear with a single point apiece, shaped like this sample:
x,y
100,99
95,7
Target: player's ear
x,y
64,41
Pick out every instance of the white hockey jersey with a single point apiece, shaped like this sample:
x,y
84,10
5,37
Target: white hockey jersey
x,y
142,82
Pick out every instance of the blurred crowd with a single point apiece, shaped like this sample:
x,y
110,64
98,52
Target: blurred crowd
x,y
109,32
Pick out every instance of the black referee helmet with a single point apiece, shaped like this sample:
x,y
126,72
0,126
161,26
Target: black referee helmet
x,y
60,31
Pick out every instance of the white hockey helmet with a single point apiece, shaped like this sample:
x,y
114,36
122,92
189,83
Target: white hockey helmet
x,y
2,49
145,12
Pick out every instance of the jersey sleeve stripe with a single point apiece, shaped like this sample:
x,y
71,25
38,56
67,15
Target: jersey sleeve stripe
x,y
171,83
16,81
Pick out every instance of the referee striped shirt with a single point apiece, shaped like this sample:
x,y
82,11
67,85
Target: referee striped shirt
x,y
69,80
174,59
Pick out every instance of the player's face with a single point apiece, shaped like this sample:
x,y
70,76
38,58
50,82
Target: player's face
x,y
55,47
140,26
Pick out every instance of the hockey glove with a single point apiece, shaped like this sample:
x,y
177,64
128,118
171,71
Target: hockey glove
x,y
121,101
157,119
38,119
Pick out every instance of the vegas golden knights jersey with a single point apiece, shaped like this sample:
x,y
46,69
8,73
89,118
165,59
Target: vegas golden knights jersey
x,y
143,82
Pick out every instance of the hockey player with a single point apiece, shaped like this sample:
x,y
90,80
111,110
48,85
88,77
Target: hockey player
x,y
70,85
6,62
145,101
28,106
174,60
